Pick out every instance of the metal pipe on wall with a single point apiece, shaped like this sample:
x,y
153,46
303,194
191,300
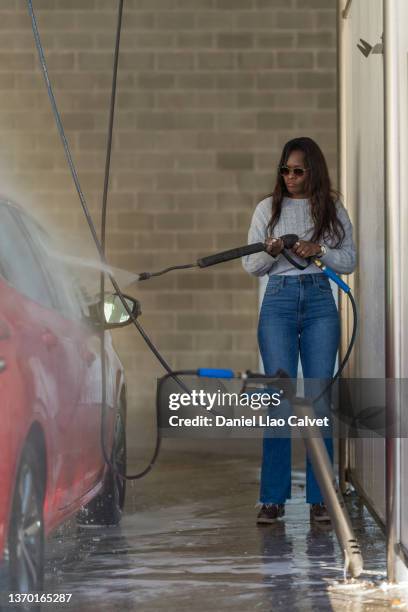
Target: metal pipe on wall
x,y
363,165
342,183
392,282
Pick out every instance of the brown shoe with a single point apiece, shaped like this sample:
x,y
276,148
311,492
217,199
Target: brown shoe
x,y
318,513
270,513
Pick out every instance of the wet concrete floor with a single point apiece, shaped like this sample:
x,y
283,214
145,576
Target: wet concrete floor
x,y
188,541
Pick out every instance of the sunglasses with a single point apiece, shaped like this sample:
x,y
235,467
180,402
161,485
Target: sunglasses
x,y
285,171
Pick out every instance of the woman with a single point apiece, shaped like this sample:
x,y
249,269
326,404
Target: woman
x,y
298,315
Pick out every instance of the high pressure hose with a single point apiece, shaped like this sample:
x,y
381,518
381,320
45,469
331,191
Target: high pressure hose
x,y
103,230
288,240
103,249
203,262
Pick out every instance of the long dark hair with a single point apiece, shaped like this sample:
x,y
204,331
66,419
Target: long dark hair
x,y
318,187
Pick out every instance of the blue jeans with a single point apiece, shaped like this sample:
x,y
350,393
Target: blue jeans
x,y
298,318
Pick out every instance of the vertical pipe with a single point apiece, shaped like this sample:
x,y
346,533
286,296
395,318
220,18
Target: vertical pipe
x,y
333,499
341,180
392,281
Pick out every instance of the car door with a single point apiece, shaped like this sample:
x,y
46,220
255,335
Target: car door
x,y
29,303
30,275
80,378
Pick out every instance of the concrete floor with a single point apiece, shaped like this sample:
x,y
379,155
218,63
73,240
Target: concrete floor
x,y
188,541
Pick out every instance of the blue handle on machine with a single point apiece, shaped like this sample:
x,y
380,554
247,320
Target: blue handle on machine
x,y
331,274
215,373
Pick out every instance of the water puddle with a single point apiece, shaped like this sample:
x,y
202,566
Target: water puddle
x,y
188,540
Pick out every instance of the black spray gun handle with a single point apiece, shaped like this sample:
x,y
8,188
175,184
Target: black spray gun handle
x,y
289,241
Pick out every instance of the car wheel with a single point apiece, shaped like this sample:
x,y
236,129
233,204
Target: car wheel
x,y
26,533
106,508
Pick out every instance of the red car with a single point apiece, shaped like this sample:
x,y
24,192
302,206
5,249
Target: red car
x,y
51,460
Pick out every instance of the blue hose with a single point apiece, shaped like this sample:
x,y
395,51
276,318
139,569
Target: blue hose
x,y
215,373
333,276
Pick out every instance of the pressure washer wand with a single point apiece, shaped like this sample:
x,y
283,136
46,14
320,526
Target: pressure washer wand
x,y
289,241
250,249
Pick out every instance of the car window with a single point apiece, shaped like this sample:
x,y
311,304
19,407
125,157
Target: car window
x,y
18,263
66,292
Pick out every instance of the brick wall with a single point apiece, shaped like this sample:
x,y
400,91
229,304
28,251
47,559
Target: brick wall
x,y
208,92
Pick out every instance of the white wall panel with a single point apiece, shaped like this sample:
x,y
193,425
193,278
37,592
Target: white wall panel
x,y
363,113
